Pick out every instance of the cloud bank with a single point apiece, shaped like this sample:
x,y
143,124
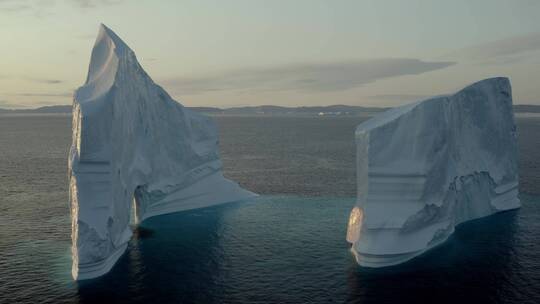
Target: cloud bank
x,y
399,97
95,3
43,80
314,77
67,94
37,6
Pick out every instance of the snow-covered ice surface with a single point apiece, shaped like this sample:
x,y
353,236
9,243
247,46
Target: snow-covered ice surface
x,y
426,167
134,147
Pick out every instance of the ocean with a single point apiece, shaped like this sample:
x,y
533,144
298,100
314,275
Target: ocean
x,y
287,246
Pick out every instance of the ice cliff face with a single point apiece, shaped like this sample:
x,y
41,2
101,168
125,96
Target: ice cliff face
x,y
426,167
134,147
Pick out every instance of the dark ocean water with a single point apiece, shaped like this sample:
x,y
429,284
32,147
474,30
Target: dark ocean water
x,y
288,246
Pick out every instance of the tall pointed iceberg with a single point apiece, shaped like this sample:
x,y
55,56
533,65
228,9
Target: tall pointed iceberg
x,y
134,147
426,167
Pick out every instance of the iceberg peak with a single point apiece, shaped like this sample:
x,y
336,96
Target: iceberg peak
x,y
109,55
106,33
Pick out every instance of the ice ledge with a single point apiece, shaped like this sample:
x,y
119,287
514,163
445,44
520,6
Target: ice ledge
x,y
197,195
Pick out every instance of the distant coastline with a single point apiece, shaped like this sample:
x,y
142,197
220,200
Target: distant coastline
x,y
333,110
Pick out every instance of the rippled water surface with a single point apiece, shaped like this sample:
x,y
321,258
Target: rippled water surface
x,y
285,247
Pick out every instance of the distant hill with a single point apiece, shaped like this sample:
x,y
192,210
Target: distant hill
x,y
526,109
322,110
336,110
67,110
255,110
42,110
207,110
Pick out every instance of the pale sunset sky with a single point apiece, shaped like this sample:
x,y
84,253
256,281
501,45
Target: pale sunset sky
x,y
280,52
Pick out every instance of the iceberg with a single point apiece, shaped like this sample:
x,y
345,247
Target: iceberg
x,y
134,149
426,167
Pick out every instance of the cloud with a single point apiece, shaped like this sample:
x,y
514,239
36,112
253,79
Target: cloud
x,y
14,6
318,77
399,97
43,80
39,8
42,8
502,51
33,79
95,3
7,104
66,94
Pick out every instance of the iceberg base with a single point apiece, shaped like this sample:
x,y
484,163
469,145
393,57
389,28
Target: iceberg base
x,y
94,270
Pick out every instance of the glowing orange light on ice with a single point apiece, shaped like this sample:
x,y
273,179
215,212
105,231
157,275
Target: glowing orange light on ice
x,y
355,224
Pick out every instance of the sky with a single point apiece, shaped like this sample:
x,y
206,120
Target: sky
x,y
278,52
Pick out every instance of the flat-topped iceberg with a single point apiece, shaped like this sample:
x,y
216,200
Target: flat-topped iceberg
x,y
134,147
426,167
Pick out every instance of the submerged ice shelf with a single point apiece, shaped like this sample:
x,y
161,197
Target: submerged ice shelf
x,y
426,167
134,147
